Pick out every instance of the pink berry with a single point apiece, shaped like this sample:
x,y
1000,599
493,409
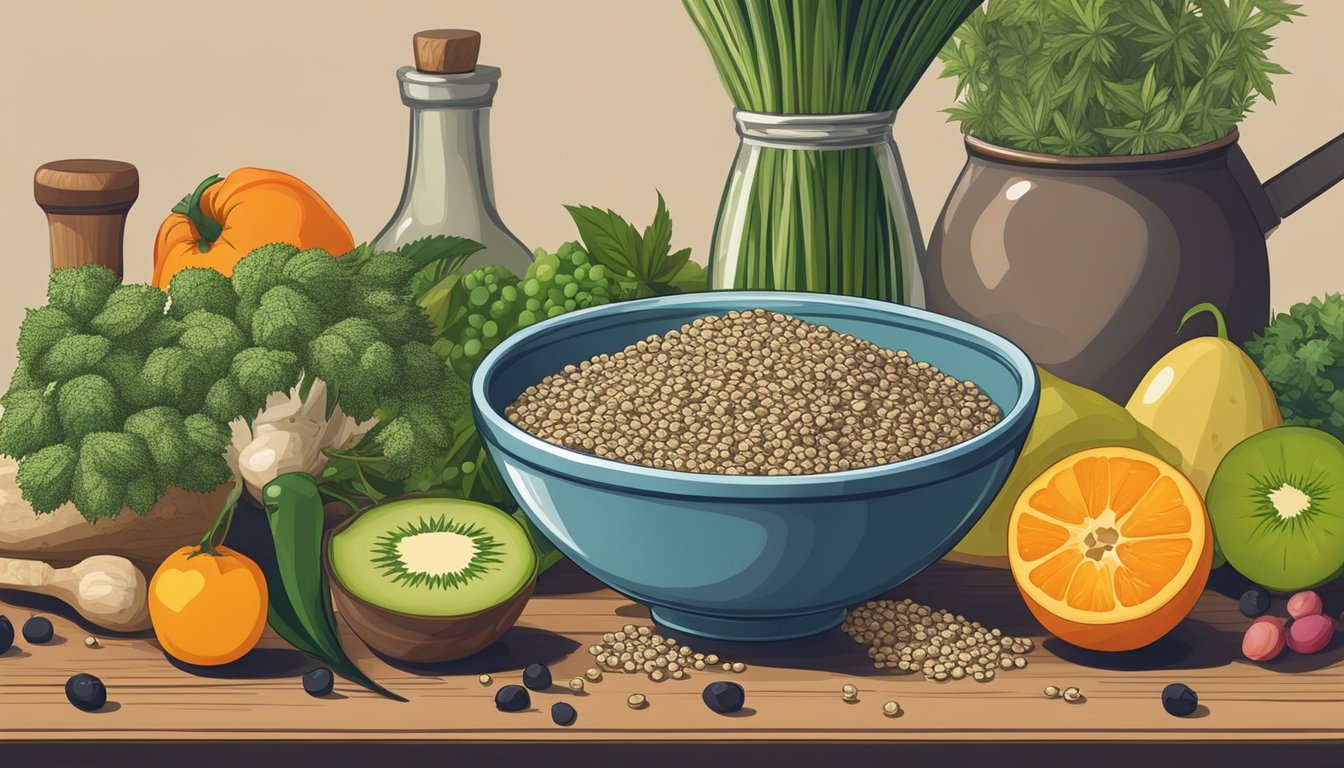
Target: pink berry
x,y
1310,634
1264,639
1302,604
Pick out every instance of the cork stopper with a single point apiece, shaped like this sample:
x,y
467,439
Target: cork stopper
x,y
447,51
85,186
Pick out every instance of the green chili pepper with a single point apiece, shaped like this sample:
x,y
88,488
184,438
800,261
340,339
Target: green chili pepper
x,y
300,600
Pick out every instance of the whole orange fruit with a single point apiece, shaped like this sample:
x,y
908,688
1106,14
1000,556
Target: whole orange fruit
x,y
208,609
1110,548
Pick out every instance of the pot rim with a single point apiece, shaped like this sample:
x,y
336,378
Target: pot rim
x,y
981,148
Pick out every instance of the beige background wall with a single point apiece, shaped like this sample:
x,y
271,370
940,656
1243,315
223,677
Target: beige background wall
x,y
602,101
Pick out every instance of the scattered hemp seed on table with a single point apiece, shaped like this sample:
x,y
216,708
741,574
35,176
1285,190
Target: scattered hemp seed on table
x,y
639,650
908,637
754,393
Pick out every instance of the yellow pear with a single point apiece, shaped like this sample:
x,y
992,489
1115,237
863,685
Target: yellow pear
x,y
1204,397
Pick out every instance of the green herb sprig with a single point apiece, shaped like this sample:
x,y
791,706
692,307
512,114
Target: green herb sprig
x,y
1301,353
1112,77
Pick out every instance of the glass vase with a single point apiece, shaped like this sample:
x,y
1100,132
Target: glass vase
x,y
818,203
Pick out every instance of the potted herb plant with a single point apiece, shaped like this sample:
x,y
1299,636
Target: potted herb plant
x,y
1104,192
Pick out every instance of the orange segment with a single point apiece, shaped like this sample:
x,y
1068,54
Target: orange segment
x,y
1110,548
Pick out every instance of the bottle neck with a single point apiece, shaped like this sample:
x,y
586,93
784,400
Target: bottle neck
x,y
448,174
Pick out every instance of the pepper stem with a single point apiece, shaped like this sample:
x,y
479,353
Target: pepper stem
x,y
1211,309
218,532
206,227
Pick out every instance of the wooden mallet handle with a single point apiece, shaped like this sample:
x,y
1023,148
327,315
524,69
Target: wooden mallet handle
x,y
86,202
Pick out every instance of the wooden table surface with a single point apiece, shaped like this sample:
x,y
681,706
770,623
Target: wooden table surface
x,y
795,715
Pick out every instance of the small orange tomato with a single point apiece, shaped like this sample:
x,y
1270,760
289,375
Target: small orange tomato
x,y
207,609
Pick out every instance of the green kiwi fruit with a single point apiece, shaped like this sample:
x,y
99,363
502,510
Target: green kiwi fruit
x,y
431,579
1277,507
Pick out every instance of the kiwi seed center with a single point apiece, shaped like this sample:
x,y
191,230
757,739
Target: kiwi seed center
x,y
436,553
1289,501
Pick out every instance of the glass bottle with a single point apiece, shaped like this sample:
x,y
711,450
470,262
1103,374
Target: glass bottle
x,y
449,188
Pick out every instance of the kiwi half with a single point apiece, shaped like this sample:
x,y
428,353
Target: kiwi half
x,y
1277,507
431,579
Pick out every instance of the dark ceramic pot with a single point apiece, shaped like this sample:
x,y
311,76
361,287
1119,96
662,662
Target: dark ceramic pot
x,y
1089,263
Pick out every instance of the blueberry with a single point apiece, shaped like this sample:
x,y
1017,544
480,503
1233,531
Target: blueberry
x,y
724,698
1254,602
537,677
38,630
86,692
318,682
512,698
6,634
563,714
1179,700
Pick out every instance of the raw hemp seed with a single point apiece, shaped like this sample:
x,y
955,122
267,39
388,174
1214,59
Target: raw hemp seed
x,y
908,637
638,650
754,393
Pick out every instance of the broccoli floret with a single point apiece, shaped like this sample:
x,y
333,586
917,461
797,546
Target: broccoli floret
x,y
87,404
41,329
128,309
199,288
122,367
334,355
321,277
165,437
285,319
212,339
158,332
397,319
45,477
429,421
261,270
29,423
23,378
378,366
172,377
207,435
259,371
96,495
80,292
388,271
72,356
143,492
203,473
118,455
225,402
420,365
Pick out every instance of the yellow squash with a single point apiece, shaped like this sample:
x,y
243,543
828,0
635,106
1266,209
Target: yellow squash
x,y
1069,419
1204,397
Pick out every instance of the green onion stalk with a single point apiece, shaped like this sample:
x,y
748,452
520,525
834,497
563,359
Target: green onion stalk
x,y
817,199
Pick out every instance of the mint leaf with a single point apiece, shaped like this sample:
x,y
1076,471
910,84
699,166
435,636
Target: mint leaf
x,y
611,241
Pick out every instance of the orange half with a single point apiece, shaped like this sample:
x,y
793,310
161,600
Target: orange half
x,y
1110,548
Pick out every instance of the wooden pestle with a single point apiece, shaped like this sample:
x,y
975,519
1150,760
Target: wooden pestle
x,y
105,589
86,202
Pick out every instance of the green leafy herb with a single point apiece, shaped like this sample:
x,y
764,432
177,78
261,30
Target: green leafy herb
x,y
1301,353
645,264
1111,77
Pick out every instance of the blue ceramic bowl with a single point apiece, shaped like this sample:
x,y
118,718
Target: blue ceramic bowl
x,y
754,558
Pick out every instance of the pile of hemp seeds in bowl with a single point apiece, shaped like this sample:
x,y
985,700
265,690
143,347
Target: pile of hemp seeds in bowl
x,y
754,392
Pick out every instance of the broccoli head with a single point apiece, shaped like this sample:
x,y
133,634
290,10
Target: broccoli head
x,y
259,371
121,456
387,271
128,309
171,376
212,339
72,356
200,288
321,277
80,292
225,402
165,437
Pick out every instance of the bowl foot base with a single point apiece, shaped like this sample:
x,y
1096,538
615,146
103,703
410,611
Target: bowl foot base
x,y
747,629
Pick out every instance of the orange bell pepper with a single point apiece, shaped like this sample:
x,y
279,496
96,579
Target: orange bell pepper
x,y
224,219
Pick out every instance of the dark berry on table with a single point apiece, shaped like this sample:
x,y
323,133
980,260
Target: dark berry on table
x,y
318,682
512,698
1254,602
563,713
38,630
1179,700
724,697
86,692
6,634
537,677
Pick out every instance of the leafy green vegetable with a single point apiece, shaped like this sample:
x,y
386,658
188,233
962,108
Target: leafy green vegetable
x,y
299,598
644,264
1111,77
1301,353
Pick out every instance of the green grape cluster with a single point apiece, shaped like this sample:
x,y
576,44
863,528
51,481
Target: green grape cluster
x,y
490,303
124,390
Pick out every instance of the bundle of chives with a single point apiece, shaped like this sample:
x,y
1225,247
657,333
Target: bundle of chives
x,y
820,220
